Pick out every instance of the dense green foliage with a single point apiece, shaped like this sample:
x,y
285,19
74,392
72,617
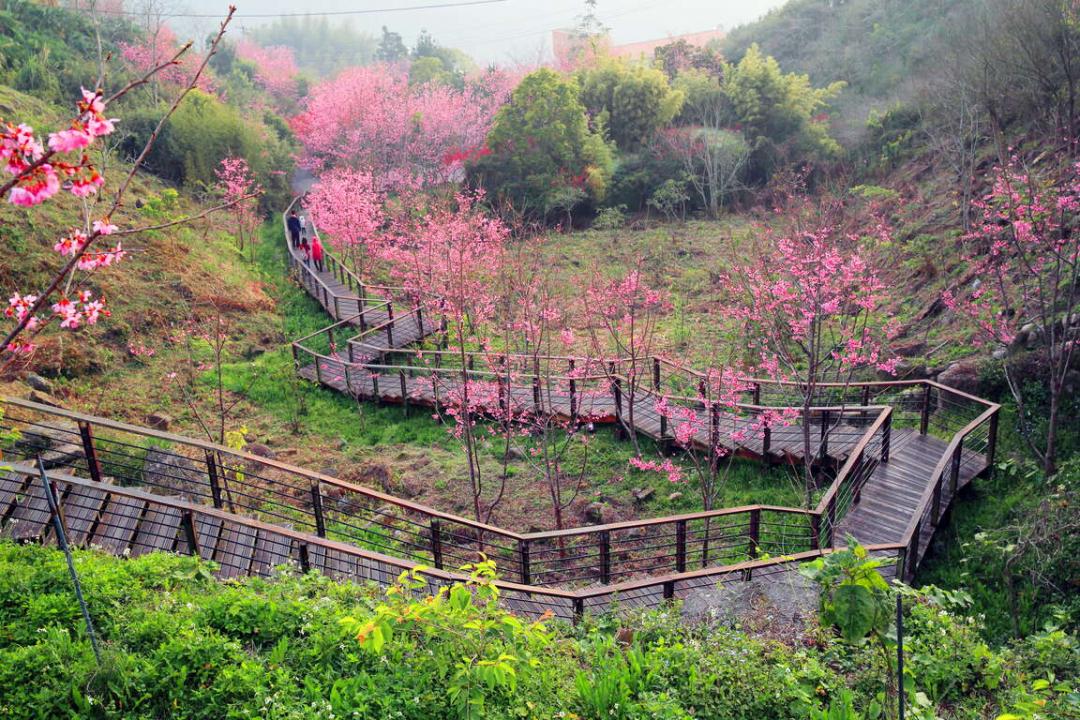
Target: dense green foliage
x,y
320,47
50,52
179,644
631,102
880,49
544,158
202,131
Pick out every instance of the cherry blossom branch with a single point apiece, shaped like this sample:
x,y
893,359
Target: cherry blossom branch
x,y
51,153
77,255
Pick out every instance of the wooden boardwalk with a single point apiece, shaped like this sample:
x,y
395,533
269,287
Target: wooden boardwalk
x,y
884,507
892,483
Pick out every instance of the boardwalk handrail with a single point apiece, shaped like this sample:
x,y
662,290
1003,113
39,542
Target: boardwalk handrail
x,y
929,508
528,599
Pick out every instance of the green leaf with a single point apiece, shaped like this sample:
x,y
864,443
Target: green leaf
x,y
854,611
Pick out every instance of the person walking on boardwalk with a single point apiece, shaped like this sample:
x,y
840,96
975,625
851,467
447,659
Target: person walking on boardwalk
x,y
317,252
305,251
293,223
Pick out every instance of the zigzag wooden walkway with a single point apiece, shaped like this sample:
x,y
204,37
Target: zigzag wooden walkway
x,y
901,452
884,505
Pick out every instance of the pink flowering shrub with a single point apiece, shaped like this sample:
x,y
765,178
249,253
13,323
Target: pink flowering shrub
x,y
1023,257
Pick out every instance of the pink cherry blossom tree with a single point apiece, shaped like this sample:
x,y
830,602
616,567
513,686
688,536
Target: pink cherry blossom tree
x,y
1023,286
347,205
37,174
447,260
811,307
236,186
159,48
623,315
275,67
372,119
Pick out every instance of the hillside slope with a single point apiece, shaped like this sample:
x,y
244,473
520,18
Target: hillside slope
x,y
883,49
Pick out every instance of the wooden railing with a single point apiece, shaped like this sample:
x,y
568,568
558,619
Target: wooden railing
x,y
200,527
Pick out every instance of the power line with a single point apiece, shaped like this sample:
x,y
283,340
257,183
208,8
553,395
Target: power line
x,y
327,13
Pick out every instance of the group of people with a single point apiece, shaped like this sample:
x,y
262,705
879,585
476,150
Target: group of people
x,y
313,251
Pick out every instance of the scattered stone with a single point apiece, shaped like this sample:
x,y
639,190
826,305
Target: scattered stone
x,y
159,421
164,470
515,454
963,376
36,382
1000,353
260,450
331,471
594,513
674,496
643,494
45,399
58,444
635,533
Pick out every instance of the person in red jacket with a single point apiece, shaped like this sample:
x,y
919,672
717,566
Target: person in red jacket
x,y
317,252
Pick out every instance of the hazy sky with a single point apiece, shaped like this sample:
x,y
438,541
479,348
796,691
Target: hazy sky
x,y
513,29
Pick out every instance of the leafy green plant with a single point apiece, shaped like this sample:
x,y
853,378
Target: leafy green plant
x,y
854,597
466,626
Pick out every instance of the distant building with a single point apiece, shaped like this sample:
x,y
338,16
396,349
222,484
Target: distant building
x,y
569,47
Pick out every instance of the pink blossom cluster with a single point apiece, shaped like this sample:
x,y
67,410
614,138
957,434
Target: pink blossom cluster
x,y
347,205
23,155
83,310
667,466
812,297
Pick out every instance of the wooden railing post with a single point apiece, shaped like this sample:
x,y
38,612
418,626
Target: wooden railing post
x,y
404,393
830,534
573,390
420,321
823,448
856,472
815,531
754,532
305,557
756,397
886,439
766,440
605,557
656,374
680,546
536,393
579,609
318,370
991,442
525,572
89,449
924,417
436,542
212,474
954,474
935,505
390,325
187,524
616,391
317,507
911,557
